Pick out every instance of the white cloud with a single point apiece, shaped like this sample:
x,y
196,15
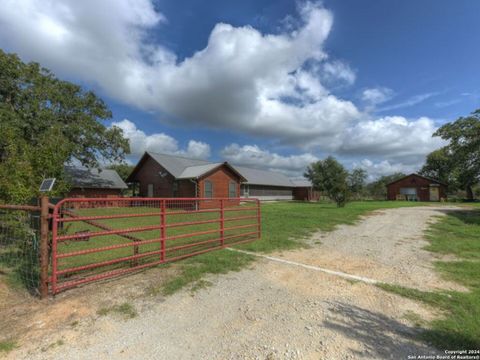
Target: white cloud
x,y
384,167
414,100
392,136
271,85
198,150
378,95
238,81
254,156
159,142
338,71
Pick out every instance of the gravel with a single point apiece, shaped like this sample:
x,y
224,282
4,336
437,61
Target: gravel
x,y
279,311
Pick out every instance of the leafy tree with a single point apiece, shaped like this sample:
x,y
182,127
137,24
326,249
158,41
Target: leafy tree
x,y
124,170
331,178
378,188
440,166
356,181
463,150
44,124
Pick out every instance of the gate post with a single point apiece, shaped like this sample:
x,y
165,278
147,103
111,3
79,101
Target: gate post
x,y
222,223
259,219
43,246
163,232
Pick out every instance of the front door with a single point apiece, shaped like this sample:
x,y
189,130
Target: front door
x,y
150,190
434,193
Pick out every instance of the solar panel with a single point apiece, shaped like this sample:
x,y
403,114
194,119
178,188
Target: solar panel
x,y
47,185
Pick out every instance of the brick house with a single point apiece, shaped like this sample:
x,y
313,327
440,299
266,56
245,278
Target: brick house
x,y
415,187
161,175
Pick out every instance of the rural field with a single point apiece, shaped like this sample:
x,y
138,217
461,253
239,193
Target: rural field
x,y
230,180
371,280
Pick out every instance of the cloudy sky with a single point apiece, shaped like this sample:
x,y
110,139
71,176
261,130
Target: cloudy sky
x,y
274,84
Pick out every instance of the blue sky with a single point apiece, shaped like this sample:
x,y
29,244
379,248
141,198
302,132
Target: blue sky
x,y
273,84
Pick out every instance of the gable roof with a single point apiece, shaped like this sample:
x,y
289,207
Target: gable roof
x,y
263,177
183,168
176,165
196,171
82,177
420,176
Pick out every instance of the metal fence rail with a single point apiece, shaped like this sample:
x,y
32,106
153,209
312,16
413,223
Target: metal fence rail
x,y
96,238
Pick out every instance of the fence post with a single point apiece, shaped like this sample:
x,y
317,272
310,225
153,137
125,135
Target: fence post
x,y
259,219
163,229
222,223
54,249
44,246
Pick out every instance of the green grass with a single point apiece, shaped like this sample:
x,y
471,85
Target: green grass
x,y
457,234
127,310
7,346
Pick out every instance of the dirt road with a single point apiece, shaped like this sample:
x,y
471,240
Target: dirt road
x,y
281,311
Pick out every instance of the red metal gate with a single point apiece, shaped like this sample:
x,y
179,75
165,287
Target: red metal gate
x,y
98,238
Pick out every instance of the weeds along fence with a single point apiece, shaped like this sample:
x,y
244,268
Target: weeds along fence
x,y
95,239
24,246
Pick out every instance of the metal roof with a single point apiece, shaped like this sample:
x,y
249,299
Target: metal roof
x,y
301,182
263,177
196,171
82,177
185,168
176,165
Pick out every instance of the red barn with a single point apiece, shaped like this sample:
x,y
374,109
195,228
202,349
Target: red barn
x,y
415,187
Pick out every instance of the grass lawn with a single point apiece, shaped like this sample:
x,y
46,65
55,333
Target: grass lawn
x,y
457,234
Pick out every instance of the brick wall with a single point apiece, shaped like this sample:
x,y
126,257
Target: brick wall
x,y
149,173
220,179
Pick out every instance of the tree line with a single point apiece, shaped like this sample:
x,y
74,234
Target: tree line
x,y
457,164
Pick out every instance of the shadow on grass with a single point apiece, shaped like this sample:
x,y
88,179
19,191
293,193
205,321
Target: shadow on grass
x,y
466,216
383,337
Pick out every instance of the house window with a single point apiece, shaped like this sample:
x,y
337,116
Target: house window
x,y
175,189
208,193
232,189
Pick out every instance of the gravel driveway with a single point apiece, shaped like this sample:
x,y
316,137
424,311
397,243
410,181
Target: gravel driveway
x,y
279,311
